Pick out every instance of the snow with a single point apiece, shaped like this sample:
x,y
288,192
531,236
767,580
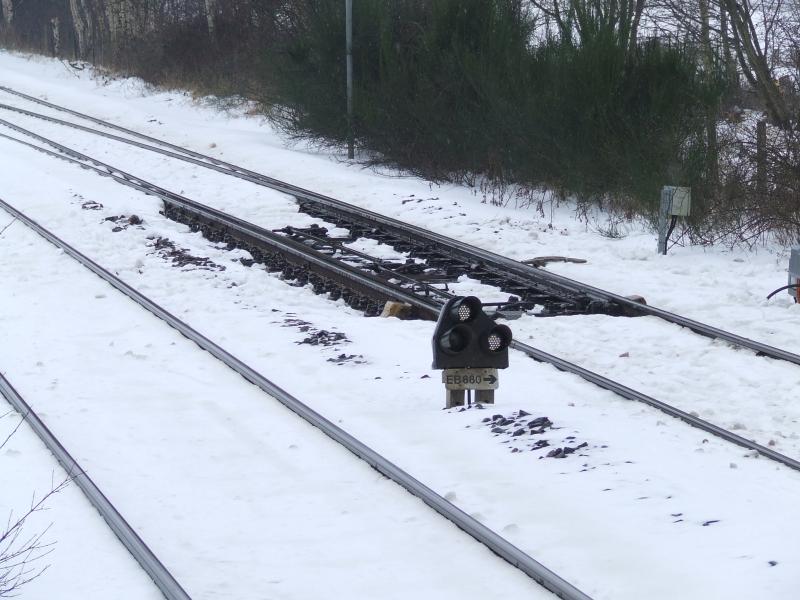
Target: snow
x,y
236,495
85,559
650,508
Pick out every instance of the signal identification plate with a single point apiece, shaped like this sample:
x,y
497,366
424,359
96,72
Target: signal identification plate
x,y
470,379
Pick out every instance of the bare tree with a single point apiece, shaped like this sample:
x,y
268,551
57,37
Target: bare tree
x,y
21,552
7,11
583,19
752,48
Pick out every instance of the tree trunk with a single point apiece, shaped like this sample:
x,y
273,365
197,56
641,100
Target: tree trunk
x,y
210,6
707,57
634,33
754,64
80,22
730,62
7,8
761,160
54,41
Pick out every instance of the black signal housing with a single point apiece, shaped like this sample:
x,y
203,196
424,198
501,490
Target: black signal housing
x,y
467,338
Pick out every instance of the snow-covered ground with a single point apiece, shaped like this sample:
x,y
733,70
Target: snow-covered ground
x,y
85,560
238,496
649,508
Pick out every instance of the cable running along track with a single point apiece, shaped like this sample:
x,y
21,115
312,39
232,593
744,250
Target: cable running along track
x,y
462,520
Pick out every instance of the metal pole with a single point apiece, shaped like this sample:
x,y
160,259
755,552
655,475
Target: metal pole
x,y
349,34
663,217
761,160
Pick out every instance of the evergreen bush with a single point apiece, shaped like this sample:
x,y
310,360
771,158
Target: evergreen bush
x,y
457,88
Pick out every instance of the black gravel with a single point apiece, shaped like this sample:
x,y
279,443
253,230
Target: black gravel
x,y
121,222
179,257
323,338
356,359
523,432
565,451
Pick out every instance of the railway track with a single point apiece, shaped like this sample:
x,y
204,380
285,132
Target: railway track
x,y
557,294
496,543
450,260
362,288
140,551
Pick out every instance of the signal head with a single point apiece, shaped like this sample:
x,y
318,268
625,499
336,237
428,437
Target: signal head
x,y
466,337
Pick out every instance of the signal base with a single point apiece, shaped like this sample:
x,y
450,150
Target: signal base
x,y
454,398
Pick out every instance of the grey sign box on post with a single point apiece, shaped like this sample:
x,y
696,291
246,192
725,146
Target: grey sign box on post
x,y
675,202
681,201
794,269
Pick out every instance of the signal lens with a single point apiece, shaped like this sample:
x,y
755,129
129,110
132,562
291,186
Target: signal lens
x,y
495,343
455,340
466,309
497,339
464,313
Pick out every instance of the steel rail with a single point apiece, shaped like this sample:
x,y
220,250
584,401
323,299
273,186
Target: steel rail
x,y
403,232
465,250
631,394
143,555
497,544
431,307
346,274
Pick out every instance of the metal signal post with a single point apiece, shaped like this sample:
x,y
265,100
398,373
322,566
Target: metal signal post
x,y
348,9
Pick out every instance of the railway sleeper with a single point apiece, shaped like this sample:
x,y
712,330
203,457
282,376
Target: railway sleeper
x,y
564,302
292,268
555,304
